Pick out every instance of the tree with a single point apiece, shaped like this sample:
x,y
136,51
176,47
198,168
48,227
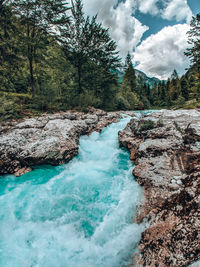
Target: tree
x,y
129,75
10,60
174,86
194,52
194,39
128,91
184,88
90,49
39,18
163,92
154,94
168,98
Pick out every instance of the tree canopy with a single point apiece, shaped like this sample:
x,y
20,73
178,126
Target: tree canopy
x,y
54,57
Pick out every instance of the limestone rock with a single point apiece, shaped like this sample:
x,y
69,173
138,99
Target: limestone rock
x,y
167,162
48,139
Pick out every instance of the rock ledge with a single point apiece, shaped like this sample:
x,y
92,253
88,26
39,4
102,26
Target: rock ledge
x,y
48,139
167,157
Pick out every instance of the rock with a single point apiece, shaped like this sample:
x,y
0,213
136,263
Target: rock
x,y
174,186
48,139
167,162
22,171
179,182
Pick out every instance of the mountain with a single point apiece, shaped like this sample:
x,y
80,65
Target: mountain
x,y
141,76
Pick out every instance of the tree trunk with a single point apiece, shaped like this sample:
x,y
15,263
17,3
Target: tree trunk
x,y
30,59
31,74
79,79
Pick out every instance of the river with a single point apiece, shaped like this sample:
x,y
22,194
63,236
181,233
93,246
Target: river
x,y
76,215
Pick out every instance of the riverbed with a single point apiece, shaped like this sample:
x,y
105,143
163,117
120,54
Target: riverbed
x,y
78,214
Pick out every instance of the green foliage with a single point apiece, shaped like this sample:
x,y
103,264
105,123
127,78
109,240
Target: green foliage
x,y
194,54
147,125
38,18
129,79
180,102
160,123
88,99
90,49
184,88
129,96
194,39
12,105
50,62
191,104
122,103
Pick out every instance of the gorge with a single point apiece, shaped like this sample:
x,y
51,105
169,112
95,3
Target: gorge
x,y
91,211
78,214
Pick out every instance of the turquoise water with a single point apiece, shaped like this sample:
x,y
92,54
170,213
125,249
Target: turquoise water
x,y
76,215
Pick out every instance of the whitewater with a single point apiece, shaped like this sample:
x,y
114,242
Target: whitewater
x,y
80,214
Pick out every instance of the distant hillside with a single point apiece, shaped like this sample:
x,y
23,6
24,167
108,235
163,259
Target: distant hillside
x,y
146,79
141,75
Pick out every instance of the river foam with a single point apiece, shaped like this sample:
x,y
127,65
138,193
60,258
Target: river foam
x,y
76,215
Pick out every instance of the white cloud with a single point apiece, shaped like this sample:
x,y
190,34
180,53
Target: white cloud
x,y
160,53
178,10
169,9
148,6
126,30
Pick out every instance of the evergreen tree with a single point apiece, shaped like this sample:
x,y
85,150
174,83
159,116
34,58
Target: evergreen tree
x,y
167,97
90,48
154,94
194,83
129,75
184,88
174,87
163,93
194,39
128,90
194,52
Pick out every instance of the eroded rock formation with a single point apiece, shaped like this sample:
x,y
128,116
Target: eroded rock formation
x,y
48,139
165,147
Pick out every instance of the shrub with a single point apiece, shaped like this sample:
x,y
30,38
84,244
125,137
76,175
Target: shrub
x,y
88,99
122,103
191,104
147,125
159,123
9,108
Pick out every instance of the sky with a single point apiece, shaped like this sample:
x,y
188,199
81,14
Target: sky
x,y
153,31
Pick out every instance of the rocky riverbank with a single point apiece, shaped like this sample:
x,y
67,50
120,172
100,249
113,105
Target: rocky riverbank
x,y
165,147
48,139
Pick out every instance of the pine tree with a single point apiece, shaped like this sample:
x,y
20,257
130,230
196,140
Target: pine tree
x,y
168,98
194,52
129,75
154,95
89,47
194,39
174,87
184,88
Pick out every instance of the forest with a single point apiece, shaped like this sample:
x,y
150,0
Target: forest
x,y
53,57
